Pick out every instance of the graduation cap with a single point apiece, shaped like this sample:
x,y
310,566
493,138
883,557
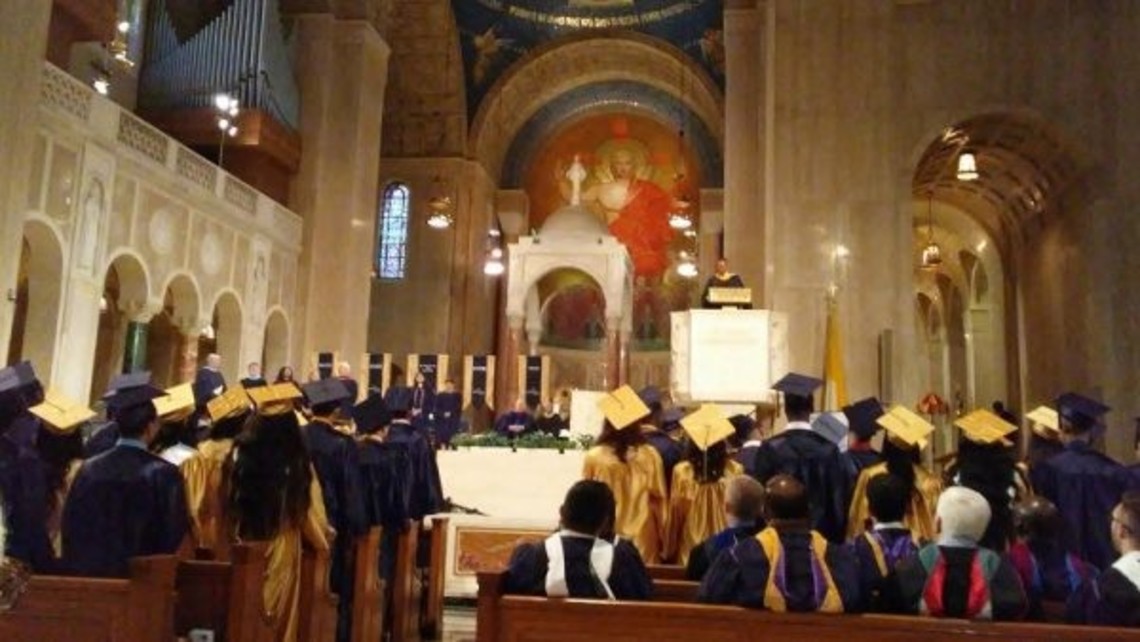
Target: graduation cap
x,y
1079,411
131,390
177,404
831,425
863,417
622,407
671,418
743,425
273,400
398,399
18,383
905,427
230,403
126,381
371,414
1046,422
707,427
325,391
985,427
797,385
61,414
650,395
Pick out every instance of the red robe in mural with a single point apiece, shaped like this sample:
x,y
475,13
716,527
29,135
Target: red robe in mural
x,y
643,227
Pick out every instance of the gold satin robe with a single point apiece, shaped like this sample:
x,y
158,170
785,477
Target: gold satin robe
x,y
919,515
696,510
638,485
282,590
209,527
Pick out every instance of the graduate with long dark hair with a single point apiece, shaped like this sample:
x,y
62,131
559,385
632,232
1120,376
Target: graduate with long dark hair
x,y
204,476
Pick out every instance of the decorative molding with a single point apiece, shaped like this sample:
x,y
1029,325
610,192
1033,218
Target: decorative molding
x,y
63,92
196,169
240,194
136,134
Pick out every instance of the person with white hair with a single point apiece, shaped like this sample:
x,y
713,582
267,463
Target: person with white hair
x,y
954,576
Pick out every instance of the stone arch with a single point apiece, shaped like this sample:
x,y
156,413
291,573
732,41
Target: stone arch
x,y
172,354
561,282
126,296
185,298
581,59
227,320
275,352
133,279
38,298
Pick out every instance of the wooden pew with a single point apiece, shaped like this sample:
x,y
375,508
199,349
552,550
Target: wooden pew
x,y
368,589
318,603
73,609
225,597
431,618
666,572
675,591
532,619
404,604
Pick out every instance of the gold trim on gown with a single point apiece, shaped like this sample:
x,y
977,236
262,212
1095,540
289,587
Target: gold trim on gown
x,y
638,485
919,515
209,527
696,510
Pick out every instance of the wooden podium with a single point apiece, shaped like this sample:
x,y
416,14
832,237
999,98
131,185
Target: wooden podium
x,y
727,355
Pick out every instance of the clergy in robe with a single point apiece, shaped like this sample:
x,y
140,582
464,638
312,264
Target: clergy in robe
x,y
806,455
126,502
337,462
1048,571
700,484
624,461
204,473
515,423
888,542
664,443
446,413
906,436
954,577
576,562
1113,598
426,488
274,496
1083,483
788,566
387,476
862,424
209,382
743,511
23,489
721,278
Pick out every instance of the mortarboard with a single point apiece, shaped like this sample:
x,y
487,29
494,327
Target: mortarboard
x,y
398,399
984,427
1080,411
797,384
622,407
650,395
743,425
274,400
125,381
707,427
325,391
61,414
230,403
1046,422
177,404
905,427
371,414
863,417
131,390
671,418
831,426
18,384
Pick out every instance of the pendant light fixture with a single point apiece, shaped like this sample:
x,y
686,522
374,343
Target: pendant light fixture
x,y
967,166
931,257
439,207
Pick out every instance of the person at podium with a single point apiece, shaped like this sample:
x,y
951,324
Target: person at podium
x,y
722,278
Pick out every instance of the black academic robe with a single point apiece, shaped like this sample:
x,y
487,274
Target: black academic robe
x,y
24,495
896,545
732,281
746,457
253,382
904,590
704,554
423,403
336,459
386,474
124,503
101,440
427,490
816,463
629,579
447,411
1085,485
669,449
504,423
207,385
1108,600
552,425
348,402
739,575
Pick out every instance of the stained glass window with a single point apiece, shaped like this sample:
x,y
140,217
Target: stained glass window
x,y
392,233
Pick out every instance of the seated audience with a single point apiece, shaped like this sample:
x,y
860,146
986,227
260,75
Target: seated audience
x,y
788,566
955,577
1048,571
743,508
576,561
888,542
515,423
1113,598
253,378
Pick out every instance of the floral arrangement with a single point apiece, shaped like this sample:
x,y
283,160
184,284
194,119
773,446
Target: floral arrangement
x,y
532,441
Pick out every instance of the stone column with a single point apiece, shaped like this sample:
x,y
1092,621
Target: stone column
x,y
744,212
138,328
613,354
188,350
23,41
624,350
342,70
507,391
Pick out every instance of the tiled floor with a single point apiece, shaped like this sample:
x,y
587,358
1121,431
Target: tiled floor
x,y
458,625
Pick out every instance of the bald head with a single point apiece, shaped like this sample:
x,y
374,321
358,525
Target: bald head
x,y
786,499
744,498
1037,519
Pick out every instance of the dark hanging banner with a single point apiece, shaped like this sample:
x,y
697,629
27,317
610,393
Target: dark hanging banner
x,y
533,388
479,380
375,371
429,367
326,361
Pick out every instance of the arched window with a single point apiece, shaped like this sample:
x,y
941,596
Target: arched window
x,y
392,232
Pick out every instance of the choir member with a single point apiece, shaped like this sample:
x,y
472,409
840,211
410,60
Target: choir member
x,y
446,413
806,455
337,462
176,438
887,543
576,561
253,377
274,496
125,502
59,443
1048,571
515,423
427,490
788,566
204,473
906,436
1113,598
624,461
1083,483
721,278
697,495
23,487
862,424
743,508
987,463
955,577
666,446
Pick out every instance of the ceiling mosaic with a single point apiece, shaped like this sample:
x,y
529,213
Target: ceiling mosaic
x,y
494,34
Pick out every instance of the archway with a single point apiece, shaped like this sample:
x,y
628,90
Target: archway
x,y
223,336
172,331
275,352
125,293
38,292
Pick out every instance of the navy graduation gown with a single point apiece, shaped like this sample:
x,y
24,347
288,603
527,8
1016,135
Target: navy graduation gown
x,y
897,545
426,488
206,386
447,413
1085,485
386,473
704,554
816,463
746,457
1108,600
102,440
739,575
124,503
670,451
854,461
24,495
629,579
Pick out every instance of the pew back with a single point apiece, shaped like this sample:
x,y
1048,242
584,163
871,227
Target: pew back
x,y
432,618
318,603
225,597
368,590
